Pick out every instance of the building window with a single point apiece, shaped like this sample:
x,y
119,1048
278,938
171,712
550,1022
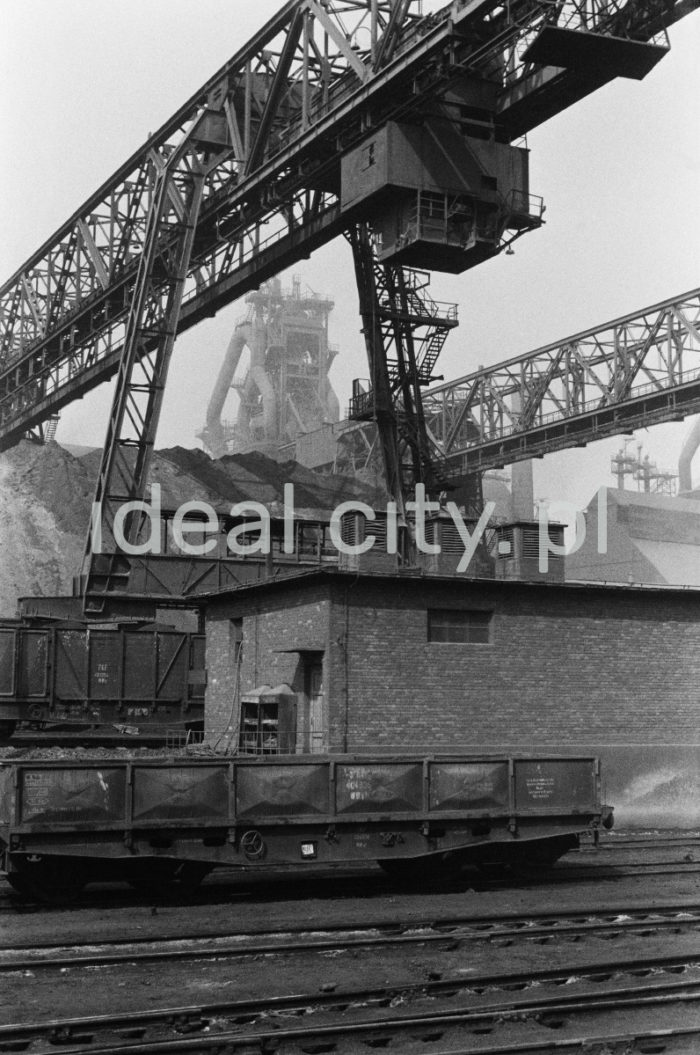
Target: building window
x,y
235,627
459,626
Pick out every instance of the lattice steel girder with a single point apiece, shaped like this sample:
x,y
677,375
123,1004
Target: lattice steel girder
x,y
317,79
641,369
149,339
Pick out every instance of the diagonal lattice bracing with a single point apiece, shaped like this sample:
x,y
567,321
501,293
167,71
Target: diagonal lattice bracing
x,y
149,338
309,86
637,370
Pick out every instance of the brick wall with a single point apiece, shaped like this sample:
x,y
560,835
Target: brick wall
x,y
564,666
605,671
275,629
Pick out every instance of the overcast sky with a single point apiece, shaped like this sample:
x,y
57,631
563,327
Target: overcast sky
x,y
85,81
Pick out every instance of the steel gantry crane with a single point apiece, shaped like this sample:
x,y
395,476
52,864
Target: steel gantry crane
x,y
401,137
635,371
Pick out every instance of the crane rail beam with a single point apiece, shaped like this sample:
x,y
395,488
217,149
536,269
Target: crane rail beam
x,y
640,369
72,376
294,99
653,409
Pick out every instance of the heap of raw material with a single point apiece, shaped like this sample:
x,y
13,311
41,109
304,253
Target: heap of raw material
x,y
46,495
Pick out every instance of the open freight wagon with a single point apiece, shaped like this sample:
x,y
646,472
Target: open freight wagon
x,y
147,677
64,824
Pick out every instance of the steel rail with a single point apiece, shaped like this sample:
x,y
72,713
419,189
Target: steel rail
x,y
244,1013
205,947
443,924
683,866
379,1033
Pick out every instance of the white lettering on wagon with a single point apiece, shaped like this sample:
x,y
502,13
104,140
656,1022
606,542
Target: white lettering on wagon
x,y
540,787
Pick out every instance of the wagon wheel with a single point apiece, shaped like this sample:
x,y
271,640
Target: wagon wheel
x,y
55,882
153,878
19,884
395,868
158,879
190,875
531,861
420,870
492,869
7,728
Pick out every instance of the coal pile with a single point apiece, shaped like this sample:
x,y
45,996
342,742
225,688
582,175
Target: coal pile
x,y
46,495
45,498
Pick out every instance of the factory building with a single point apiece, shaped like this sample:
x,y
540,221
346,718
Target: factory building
x,y
340,661
651,538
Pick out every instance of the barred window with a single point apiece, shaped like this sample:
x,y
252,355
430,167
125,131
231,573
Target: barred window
x,y
459,626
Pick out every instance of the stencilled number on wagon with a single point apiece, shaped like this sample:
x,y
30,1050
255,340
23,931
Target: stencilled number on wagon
x,y
36,780
358,786
540,787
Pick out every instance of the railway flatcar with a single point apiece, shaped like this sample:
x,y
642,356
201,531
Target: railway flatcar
x,y
164,821
144,676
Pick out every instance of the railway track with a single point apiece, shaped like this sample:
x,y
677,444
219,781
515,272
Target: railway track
x,y
605,981
614,843
538,928
603,999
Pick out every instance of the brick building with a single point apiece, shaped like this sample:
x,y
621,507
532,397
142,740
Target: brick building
x,y
385,663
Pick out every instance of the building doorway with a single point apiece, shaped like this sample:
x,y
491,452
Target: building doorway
x,y
315,709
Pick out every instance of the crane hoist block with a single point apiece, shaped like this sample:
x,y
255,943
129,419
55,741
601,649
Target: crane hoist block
x,y
436,197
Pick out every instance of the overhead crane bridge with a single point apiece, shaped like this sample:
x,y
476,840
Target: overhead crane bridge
x,y
361,117
636,371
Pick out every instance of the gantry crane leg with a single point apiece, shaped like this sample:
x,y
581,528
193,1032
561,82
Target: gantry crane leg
x,y
404,331
143,369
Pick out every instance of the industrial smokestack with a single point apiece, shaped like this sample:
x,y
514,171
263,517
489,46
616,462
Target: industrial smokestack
x,y
522,489
521,476
692,442
213,433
